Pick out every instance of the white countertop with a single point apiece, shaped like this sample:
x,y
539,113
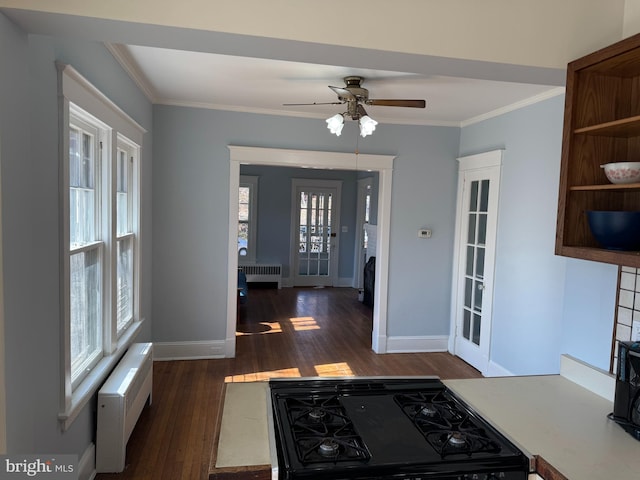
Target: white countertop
x,y
549,416
557,419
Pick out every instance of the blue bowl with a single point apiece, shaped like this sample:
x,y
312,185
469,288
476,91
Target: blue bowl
x,y
615,230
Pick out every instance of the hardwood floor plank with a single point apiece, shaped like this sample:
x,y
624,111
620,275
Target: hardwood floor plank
x,y
287,332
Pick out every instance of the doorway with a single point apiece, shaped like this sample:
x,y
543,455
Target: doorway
x,y
474,258
383,164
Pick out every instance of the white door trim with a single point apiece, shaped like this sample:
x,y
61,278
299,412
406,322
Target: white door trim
x,y
481,161
383,164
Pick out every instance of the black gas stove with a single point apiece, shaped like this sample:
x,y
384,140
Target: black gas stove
x,y
410,428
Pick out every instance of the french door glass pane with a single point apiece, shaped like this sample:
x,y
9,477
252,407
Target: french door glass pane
x,y
482,228
484,196
476,328
86,333
466,324
473,197
124,305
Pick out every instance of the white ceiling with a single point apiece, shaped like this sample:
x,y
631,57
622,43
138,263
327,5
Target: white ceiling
x,y
260,85
208,69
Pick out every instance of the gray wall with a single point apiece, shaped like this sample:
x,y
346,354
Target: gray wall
x,y
190,224
29,162
544,305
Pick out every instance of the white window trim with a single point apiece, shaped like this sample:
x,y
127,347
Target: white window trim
x,y
74,88
251,181
135,182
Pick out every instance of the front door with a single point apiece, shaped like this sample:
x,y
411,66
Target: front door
x,y
476,227
315,232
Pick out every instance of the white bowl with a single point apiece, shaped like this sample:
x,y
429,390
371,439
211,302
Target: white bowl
x,y
622,172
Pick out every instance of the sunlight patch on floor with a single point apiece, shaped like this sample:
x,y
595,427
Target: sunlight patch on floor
x,y
262,376
304,323
340,369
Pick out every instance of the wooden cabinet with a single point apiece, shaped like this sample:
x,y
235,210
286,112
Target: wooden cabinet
x,y
601,125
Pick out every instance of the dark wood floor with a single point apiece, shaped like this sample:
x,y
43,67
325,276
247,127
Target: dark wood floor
x,y
288,332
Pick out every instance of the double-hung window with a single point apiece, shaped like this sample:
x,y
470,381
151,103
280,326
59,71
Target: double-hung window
x,y
247,218
100,219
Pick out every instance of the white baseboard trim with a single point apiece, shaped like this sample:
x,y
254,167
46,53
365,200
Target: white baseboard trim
x,y
434,343
497,370
87,463
587,376
189,350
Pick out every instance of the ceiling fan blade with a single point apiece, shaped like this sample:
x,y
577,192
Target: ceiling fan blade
x,y
314,103
343,93
397,103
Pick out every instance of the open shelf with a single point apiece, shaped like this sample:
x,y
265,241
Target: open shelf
x,y
601,125
609,186
624,128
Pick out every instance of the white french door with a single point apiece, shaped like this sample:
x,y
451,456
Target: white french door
x,y
315,225
476,232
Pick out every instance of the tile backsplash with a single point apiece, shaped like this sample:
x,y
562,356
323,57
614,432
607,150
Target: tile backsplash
x,y
628,309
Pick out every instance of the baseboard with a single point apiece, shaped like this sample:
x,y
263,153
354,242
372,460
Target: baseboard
x,y
587,376
188,350
497,370
435,343
87,463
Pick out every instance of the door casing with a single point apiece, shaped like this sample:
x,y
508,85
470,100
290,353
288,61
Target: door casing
x,y
383,164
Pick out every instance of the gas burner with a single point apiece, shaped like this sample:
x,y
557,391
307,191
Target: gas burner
x,y
457,439
428,411
342,447
328,447
317,414
465,437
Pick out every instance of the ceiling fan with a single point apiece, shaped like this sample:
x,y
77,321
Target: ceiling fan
x,y
355,96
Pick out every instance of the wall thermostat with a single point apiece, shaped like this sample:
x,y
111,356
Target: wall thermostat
x,y
424,233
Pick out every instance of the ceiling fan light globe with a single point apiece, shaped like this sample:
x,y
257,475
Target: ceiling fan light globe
x,y
335,124
367,125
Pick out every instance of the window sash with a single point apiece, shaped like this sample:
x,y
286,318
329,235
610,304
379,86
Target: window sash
x,y
85,305
125,288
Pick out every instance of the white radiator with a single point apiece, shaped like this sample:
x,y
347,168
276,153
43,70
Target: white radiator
x,y
120,402
263,273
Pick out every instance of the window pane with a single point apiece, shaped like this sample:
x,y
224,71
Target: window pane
x,y
243,238
82,192
122,195
86,332
124,300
